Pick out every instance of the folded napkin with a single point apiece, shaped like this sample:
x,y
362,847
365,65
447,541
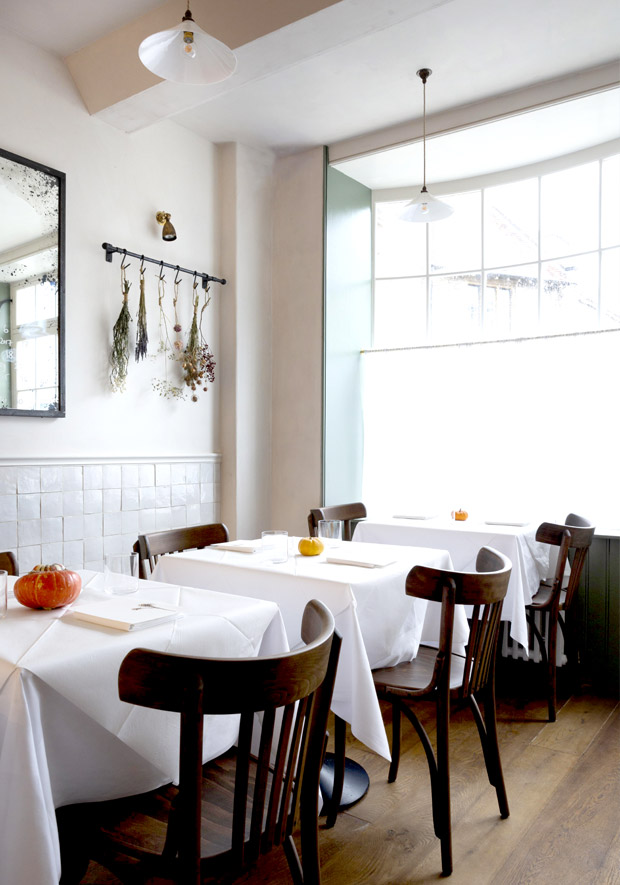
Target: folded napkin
x,y
239,546
516,522
125,614
363,558
410,516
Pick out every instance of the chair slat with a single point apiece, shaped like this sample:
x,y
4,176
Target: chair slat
x,y
260,785
242,780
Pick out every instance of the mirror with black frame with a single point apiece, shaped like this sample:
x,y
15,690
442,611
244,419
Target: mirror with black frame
x,y
32,199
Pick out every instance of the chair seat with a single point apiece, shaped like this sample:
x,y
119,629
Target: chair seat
x,y
417,674
543,597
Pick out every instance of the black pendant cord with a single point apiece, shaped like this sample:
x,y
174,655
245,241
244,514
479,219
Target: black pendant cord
x,y
206,278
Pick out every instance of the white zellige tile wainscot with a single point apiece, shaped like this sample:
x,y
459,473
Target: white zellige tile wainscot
x,y
75,513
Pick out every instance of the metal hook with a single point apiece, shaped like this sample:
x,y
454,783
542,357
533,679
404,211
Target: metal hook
x,y
177,281
195,283
142,267
162,276
123,260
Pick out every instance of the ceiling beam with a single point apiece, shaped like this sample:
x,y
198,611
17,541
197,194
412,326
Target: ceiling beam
x,y
108,71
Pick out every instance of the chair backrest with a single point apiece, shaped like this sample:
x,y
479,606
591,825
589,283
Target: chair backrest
x,y
150,547
484,590
299,684
348,513
8,563
576,534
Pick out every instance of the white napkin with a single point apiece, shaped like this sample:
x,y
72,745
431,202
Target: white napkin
x,y
240,546
363,558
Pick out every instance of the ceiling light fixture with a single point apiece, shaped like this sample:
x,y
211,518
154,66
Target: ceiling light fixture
x,y
168,232
187,54
425,207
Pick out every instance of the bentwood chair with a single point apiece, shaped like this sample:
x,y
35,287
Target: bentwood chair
x,y
8,563
267,797
348,513
439,675
557,604
150,547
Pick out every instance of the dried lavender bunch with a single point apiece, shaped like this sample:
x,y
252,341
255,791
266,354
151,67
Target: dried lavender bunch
x,y
142,337
119,355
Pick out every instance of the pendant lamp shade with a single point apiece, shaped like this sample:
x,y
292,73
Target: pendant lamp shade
x,y
425,208
187,54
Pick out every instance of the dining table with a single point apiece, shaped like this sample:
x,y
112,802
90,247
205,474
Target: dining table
x,y
65,737
379,624
463,539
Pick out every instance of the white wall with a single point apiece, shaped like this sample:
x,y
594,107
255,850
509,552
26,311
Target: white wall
x,y
115,185
246,212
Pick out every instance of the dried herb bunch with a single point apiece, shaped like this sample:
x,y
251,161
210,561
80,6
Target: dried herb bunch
x,y
119,355
164,386
142,336
198,363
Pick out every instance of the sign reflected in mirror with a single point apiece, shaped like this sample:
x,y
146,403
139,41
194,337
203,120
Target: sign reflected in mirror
x,y
32,198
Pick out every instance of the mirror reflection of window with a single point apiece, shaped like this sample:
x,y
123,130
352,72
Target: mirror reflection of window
x,y
35,329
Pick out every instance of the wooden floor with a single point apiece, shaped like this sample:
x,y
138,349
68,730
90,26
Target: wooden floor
x,y
563,784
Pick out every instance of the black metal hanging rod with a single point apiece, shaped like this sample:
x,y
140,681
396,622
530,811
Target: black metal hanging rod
x,y
205,277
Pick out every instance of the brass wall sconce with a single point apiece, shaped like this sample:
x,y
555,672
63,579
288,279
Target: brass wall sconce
x,y
168,233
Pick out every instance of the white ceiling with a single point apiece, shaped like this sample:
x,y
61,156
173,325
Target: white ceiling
x,y
350,68
509,143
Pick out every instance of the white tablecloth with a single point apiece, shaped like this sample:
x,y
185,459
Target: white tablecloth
x,y
530,559
379,624
64,734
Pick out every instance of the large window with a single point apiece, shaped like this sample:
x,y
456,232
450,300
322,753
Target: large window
x,y
499,336
523,259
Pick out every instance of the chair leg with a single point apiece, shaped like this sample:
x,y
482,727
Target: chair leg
x,y
443,786
487,729
395,743
548,659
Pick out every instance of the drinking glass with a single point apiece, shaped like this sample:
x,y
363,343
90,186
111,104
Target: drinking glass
x,y
3,592
275,543
330,532
121,573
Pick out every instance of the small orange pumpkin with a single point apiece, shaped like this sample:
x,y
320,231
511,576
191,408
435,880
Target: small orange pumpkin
x,y
460,515
48,586
310,546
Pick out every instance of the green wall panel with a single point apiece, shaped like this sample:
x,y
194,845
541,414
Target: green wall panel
x,y
348,305
599,607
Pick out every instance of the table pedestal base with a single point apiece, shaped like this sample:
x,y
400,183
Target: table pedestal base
x,y
354,787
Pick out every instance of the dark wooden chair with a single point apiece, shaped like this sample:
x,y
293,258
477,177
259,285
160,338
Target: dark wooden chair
x,y
150,547
557,604
266,797
440,675
8,563
348,513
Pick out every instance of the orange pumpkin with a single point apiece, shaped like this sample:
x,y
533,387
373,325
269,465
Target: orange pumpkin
x,y
460,515
310,546
48,586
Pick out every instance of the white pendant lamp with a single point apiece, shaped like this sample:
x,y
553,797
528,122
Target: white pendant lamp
x,y
425,207
186,54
